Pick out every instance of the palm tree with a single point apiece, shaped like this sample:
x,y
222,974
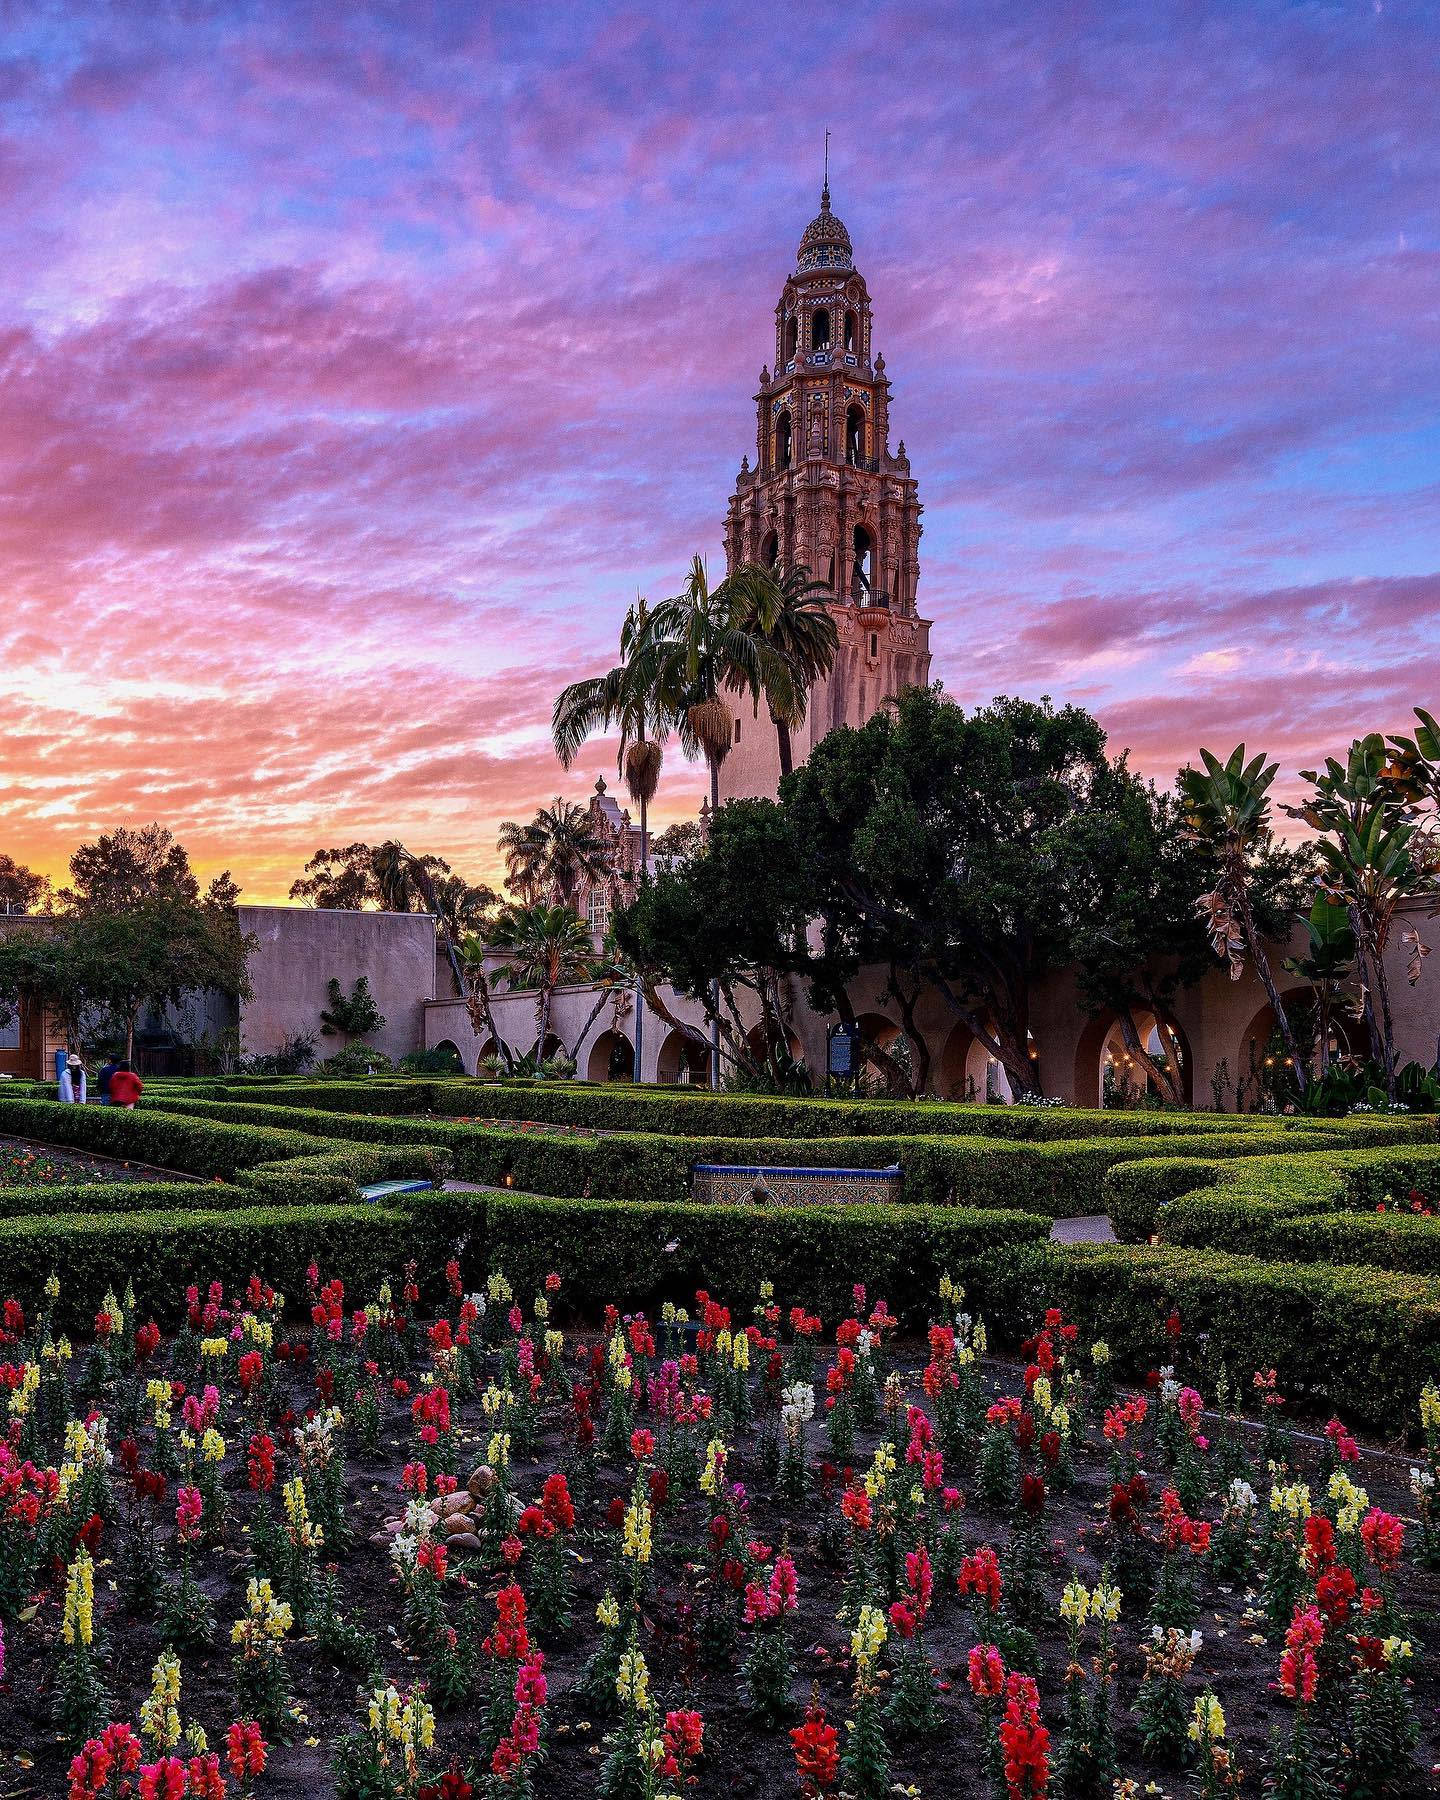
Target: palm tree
x,y
787,613
523,848
475,991
1227,808
549,946
574,851
695,651
626,698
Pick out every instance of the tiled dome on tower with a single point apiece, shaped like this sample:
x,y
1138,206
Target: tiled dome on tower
x,y
826,243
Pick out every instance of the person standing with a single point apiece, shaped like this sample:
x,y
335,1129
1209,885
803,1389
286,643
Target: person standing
x,y
102,1080
126,1087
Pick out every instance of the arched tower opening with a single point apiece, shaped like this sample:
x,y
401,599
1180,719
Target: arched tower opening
x,y
862,566
854,436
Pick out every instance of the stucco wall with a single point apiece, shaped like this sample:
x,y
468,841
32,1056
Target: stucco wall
x,y
1218,1017
299,948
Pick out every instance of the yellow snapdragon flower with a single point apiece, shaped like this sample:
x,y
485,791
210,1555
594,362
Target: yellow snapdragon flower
x,y
1292,1499
1075,1602
712,1476
1208,1723
638,1541
633,1681
160,1714
868,1637
78,1626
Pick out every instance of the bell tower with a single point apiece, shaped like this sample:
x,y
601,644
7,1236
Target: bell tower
x,y
827,494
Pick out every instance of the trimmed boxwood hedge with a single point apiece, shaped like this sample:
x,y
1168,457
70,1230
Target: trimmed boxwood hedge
x,y
686,1112
1059,1179
1359,1340
266,1157
1138,1196
165,1139
160,1253
1390,1240
643,1254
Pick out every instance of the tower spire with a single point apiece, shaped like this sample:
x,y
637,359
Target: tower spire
x,y
825,185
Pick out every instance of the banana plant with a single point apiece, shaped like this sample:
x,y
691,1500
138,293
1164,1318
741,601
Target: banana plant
x,y
1327,965
1227,808
1364,816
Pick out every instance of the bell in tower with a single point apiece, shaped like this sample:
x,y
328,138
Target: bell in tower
x,y
826,496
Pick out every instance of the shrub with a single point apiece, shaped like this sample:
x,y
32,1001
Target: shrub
x,y
651,1253
355,1059
1059,1179
1138,1196
1334,1223
165,1140
687,1112
161,1252
1359,1340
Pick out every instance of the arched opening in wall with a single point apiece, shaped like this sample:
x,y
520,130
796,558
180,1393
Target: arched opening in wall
x,y
852,332
820,330
1262,1078
854,436
953,1067
862,566
444,1058
682,1062
1107,1073
770,550
792,337
488,1050
553,1047
783,433
611,1058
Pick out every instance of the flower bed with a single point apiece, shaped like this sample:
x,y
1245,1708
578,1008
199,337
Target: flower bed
x,y
28,1166
482,1551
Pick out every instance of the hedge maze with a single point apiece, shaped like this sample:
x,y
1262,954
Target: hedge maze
x,y
1264,1232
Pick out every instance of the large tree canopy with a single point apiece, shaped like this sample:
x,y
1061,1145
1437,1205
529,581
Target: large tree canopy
x,y
967,853
732,918
136,932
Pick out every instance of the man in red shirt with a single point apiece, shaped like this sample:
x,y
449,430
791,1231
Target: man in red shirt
x,y
126,1087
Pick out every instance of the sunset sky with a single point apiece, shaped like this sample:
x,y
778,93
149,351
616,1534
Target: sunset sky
x,y
359,363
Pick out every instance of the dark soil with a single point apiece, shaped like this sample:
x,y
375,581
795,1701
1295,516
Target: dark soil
x,y
25,1164
740,1759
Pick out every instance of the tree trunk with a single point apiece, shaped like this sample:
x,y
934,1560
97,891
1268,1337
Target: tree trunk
x,y
638,1071
1169,1088
542,1016
782,735
919,1048
1272,993
1387,1024
715,987
595,1011
476,995
992,1041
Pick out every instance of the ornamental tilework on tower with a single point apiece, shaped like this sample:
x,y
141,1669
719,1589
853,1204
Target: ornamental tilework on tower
x,y
828,495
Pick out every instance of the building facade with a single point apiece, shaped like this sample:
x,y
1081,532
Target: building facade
x,y
827,495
